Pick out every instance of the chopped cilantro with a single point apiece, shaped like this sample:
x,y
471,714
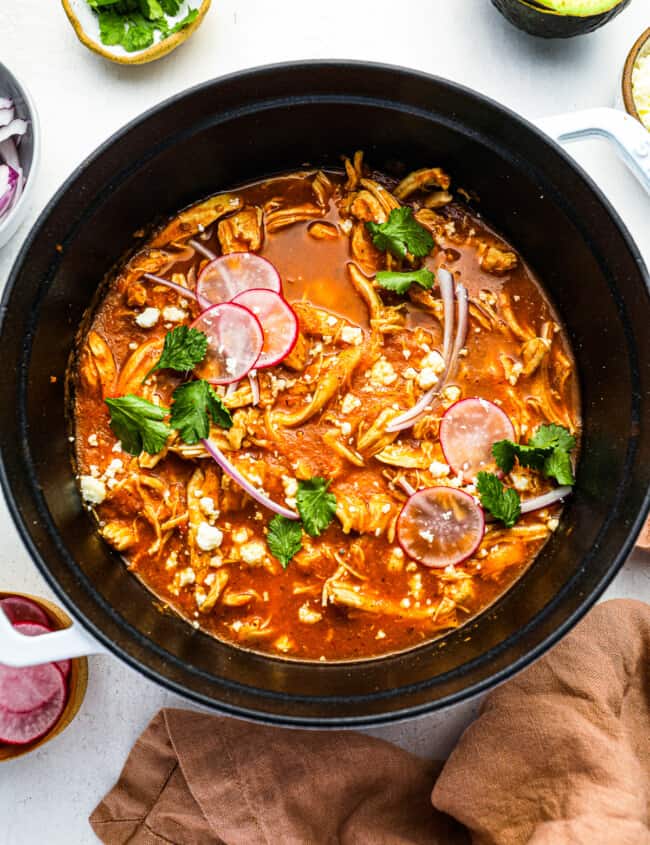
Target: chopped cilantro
x,y
284,538
184,348
133,24
194,405
502,502
547,451
138,424
401,282
316,505
401,234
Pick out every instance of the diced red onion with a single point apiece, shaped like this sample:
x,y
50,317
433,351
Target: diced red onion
x,y
9,154
202,249
6,103
252,491
7,114
255,386
545,500
446,282
9,180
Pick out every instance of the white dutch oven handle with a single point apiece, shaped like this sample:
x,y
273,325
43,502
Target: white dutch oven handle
x,y
19,650
632,142
630,138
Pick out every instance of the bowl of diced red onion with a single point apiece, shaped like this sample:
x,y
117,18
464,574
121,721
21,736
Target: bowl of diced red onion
x,y
19,152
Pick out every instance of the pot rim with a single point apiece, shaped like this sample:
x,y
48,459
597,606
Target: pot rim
x,y
261,715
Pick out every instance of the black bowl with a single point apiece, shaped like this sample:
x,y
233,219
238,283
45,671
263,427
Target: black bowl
x,y
262,122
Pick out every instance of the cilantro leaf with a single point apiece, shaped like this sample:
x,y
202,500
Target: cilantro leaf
x,y
138,424
401,234
139,35
194,404
184,348
503,452
552,437
502,502
284,538
189,18
111,28
170,7
401,282
151,9
316,505
558,466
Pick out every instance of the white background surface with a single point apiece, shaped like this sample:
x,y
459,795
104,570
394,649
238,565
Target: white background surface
x,y
46,797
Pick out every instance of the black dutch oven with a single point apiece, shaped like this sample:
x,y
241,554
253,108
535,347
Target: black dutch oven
x,y
255,124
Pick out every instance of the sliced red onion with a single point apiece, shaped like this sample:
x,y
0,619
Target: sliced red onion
x,y
183,291
255,386
9,154
252,491
446,282
7,114
231,388
6,103
545,500
408,418
406,487
202,249
9,180
14,127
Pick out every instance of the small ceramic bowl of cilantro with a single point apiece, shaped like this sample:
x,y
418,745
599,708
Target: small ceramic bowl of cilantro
x,y
134,31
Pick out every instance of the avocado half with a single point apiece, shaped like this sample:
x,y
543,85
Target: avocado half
x,y
559,18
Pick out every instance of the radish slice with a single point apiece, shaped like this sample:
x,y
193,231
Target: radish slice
x,y
33,629
440,526
467,432
31,702
222,279
19,609
235,340
278,320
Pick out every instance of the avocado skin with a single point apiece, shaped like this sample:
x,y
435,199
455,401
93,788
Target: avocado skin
x,y
546,24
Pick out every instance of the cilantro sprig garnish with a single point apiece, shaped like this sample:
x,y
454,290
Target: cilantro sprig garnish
x,y
502,502
194,405
316,506
401,234
133,24
547,451
284,538
401,282
183,349
138,424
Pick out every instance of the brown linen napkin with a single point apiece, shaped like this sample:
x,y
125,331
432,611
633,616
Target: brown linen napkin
x,y
560,755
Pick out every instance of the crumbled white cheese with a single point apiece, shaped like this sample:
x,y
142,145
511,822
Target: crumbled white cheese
x,y
351,334
438,469
172,561
240,535
410,373
171,314
148,318
451,393
208,537
308,615
520,482
92,440
206,504
331,320
426,534
382,373
406,353
346,429
434,360
185,577
350,403
346,226
117,446
93,490
553,523
253,553
427,378
115,466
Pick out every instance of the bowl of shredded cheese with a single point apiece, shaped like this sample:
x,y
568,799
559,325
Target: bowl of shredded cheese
x,y
636,80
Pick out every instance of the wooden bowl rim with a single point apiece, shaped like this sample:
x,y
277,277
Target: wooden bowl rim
x,y
632,56
77,681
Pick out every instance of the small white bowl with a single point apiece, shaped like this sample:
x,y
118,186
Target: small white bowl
x,y
29,151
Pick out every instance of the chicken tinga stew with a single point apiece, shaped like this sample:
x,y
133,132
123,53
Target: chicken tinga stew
x,y
326,416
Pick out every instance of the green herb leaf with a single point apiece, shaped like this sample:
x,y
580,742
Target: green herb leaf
x,y
284,538
189,18
139,35
552,437
503,452
401,282
194,404
184,348
502,502
171,7
151,9
138,424
401,234
558,466
316,505
111,28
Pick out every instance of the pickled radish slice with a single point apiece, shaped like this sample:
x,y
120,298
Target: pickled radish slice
x,y
440,526
467,432
20,609
278,320
224,277
33,629
235,340
31,702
